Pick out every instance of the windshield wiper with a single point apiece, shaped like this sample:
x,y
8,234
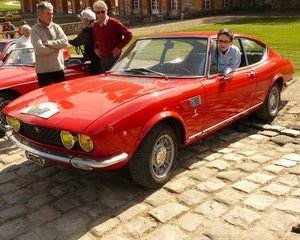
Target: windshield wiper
x,y
143,70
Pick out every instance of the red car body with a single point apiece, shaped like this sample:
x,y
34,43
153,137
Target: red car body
x,y
152,102
18,78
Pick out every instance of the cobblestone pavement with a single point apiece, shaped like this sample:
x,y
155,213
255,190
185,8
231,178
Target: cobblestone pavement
x,y
242,182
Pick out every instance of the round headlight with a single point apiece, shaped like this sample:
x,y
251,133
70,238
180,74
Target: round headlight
x,y
14,123
85,142
67,139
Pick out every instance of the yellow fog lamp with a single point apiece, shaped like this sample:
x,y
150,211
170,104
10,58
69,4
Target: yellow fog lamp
x,y
67,139
85,142
14,123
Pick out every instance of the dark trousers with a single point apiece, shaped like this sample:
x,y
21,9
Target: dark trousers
x,y
107,63
46,79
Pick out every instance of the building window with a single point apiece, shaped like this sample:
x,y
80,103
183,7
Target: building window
x,y
206,4
154,4
174,4
226,3
136,4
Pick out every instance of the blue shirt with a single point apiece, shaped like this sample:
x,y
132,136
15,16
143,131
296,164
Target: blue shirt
x,y
230,59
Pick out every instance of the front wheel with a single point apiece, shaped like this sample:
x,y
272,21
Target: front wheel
x,y
270,107
5,99
152,163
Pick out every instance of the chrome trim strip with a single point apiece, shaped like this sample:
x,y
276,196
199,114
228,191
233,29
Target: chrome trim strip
x,y
221,123
86,164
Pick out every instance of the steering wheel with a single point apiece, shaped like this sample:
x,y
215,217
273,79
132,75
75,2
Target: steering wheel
x,y
180,70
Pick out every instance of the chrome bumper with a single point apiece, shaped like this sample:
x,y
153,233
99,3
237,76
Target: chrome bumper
x,y
86,164
289,83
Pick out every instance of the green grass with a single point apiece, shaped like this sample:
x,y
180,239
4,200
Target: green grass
x,y
16,6
281,34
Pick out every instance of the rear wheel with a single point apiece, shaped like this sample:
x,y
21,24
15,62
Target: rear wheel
x,y
270,107
152,164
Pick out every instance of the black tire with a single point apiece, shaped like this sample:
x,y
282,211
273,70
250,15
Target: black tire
x,y
5,99
152,164
270,107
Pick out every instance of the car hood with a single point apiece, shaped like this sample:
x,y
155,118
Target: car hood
x,y
15,75
84,99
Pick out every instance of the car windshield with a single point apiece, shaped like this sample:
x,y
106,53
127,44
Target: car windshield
x,y
165,57
21,57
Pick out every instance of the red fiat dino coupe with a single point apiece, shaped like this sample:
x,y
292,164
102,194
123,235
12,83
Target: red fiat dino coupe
x,y
154,100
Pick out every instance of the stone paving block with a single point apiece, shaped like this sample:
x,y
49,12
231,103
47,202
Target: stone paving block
x,y
167,232
291,180
13,229
260,158
285,163
236,158
291,132
12,212
211,209
203,173
38,234
190,221
260,178
178,186
219,230
296,193
291,205
282,139
259,138
259,202
70,225
277,222
44,215
211,186
135,228
131,212
269,133
19,196
66,203
167,211
241,216
248,167
276,189
255,233
38,200
191,197
218,164
7,177
159,197
245,186
292,157
229,197
231,176
273,169
107,237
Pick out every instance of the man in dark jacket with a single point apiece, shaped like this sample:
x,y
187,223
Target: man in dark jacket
x,y
85,38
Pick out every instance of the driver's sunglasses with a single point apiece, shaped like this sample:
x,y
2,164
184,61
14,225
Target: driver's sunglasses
x,y
98,12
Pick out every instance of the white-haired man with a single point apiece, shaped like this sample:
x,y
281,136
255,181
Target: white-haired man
x,y
48,39
85,37
110,36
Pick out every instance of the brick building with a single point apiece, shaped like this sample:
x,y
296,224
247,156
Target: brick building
x,y
164,8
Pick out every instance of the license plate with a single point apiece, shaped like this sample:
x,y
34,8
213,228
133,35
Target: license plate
x,y
35,158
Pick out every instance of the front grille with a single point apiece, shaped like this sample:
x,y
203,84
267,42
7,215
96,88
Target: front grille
x,y
41,134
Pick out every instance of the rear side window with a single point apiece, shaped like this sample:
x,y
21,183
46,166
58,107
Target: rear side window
x,y
254,52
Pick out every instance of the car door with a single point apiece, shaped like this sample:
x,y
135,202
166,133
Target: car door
x,y
227,98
